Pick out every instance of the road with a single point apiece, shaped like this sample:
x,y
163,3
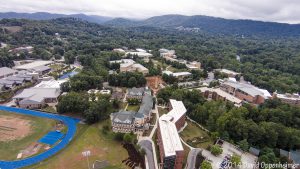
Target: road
x,y
191,160
147,146
209,78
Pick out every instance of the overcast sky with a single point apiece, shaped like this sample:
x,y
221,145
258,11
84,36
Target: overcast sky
x,y
267,10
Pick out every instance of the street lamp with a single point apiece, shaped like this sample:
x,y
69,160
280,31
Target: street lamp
x,y
87,154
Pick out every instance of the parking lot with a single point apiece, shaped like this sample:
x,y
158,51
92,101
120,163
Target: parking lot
x,y
248,160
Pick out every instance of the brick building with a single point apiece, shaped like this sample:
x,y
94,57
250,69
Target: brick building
x,y
170,148
246,92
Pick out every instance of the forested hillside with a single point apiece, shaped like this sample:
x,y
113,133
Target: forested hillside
x,y
215,25
270,63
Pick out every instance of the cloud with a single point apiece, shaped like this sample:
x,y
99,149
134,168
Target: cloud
x,y
266,10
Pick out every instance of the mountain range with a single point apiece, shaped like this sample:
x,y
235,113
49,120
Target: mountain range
x,y
199,22
48,16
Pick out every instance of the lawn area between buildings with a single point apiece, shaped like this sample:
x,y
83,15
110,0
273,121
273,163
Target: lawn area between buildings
x,y
134,108
18,132
195,136
103,147
162,111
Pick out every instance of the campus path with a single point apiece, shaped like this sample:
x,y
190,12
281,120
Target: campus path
x,y
68,121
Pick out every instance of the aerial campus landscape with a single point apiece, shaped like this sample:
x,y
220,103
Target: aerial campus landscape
x,y
120,91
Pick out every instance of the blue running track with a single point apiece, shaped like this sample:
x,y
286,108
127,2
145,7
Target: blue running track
x,y
68,121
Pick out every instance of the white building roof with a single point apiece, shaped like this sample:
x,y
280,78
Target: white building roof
x,y
170,137
226,71
139,66
169,133
140,54
50,84
288,96
181,74
249,89
38,94
34,64
167,72
140,50
4,71
178,110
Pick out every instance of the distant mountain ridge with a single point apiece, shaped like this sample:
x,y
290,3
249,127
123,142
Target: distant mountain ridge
x,y
48,16
215,25
200,22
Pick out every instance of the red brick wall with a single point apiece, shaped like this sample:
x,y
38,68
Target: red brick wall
x,y
179,159
180,123
160,145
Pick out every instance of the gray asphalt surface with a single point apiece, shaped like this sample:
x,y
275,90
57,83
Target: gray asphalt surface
x,y
147,145
191,160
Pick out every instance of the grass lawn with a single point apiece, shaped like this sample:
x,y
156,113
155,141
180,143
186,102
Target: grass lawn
x,y
134,108
56,67
49,109
88,137
195,136
39,127
162,111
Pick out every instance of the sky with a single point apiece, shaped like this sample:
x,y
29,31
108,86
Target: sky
x,y
286,11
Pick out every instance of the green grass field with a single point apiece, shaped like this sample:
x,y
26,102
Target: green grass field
x,y
88,137
134,108
191,132
39,127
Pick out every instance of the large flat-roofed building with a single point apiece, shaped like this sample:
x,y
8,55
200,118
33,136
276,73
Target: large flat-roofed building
x,y
36,98
230,73
218,94
5,72
46,92
129,65
170,146
193,65
245,92
10,82
32,65
291,99
178,75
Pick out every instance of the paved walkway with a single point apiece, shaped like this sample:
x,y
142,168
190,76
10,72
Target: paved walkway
x,y
191,160
147,146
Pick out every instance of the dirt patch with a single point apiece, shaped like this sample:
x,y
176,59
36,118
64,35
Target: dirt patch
x,y
155,83
13,128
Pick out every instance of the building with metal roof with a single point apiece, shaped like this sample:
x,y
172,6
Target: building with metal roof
x,y
33,64
5,72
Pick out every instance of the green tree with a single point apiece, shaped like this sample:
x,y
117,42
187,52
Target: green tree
x,y
235,160
244,145
132,82
206,165
216,150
